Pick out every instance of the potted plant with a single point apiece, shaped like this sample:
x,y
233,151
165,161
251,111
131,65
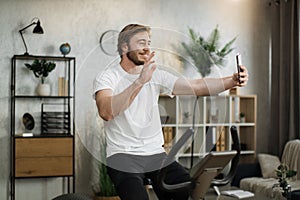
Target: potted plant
x,y
41,69
186,117
206,53
106,190
242,117
284,173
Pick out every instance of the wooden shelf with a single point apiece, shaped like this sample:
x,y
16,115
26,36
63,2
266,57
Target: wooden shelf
x,y
42,154
226,110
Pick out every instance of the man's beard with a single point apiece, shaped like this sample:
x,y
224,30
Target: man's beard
x,y
132,55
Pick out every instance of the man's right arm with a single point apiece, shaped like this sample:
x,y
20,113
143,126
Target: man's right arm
x,y
110,105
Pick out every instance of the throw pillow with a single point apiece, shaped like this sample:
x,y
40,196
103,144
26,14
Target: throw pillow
x,y
268,164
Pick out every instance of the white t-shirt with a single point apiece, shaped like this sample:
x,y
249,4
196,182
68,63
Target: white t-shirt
x,y
137,130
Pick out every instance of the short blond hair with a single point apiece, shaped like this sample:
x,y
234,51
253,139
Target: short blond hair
x,y
127,32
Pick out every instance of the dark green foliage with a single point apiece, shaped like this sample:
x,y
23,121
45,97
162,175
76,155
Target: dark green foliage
x,y
107,188
41,68
205,53
283,173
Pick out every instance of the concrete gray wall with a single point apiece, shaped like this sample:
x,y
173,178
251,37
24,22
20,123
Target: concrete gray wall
x,y
80,23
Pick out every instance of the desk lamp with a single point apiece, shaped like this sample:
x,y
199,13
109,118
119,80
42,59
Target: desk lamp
x,y
37,29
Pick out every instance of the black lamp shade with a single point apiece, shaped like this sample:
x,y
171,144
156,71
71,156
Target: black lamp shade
x,y
38,29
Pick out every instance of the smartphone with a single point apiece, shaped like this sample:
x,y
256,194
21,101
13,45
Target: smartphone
x,y
238,64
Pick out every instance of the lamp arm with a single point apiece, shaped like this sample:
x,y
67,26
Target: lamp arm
x,y
21,33
33,23
23,42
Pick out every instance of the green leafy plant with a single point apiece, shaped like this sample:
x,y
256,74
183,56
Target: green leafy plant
x,y
186,114
41,68
107,188
283,173
205,53
104,186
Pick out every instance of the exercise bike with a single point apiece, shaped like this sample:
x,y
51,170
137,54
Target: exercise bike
x,y
204,172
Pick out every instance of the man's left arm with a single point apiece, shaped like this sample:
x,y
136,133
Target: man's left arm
x,y
210,86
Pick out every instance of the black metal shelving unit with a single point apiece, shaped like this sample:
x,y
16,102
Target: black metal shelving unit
x,y
39,139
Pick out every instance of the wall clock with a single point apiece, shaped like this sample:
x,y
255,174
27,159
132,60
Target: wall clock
x,y
109,41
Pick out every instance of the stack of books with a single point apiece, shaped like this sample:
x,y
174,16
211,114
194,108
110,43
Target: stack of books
x,y
63,86
221,139
168,137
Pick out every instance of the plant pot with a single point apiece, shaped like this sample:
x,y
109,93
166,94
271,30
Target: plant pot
x,y
187,120
107,198
242,119
43,89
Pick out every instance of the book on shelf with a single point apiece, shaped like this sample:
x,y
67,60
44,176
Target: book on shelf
x,y
168,137
63,86
216,138
221,139
240,194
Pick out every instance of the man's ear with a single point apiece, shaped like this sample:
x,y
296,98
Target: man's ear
x,y
124,47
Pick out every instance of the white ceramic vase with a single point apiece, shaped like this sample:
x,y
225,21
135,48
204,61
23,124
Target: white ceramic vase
x,y
242,119
43,89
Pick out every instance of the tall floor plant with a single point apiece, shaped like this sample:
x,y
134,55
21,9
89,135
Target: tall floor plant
x,y
206,52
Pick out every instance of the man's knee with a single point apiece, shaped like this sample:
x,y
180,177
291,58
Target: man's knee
x,y
132,188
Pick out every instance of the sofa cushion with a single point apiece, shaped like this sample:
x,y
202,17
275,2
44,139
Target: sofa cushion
x,y
265,186
268,164
260,186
